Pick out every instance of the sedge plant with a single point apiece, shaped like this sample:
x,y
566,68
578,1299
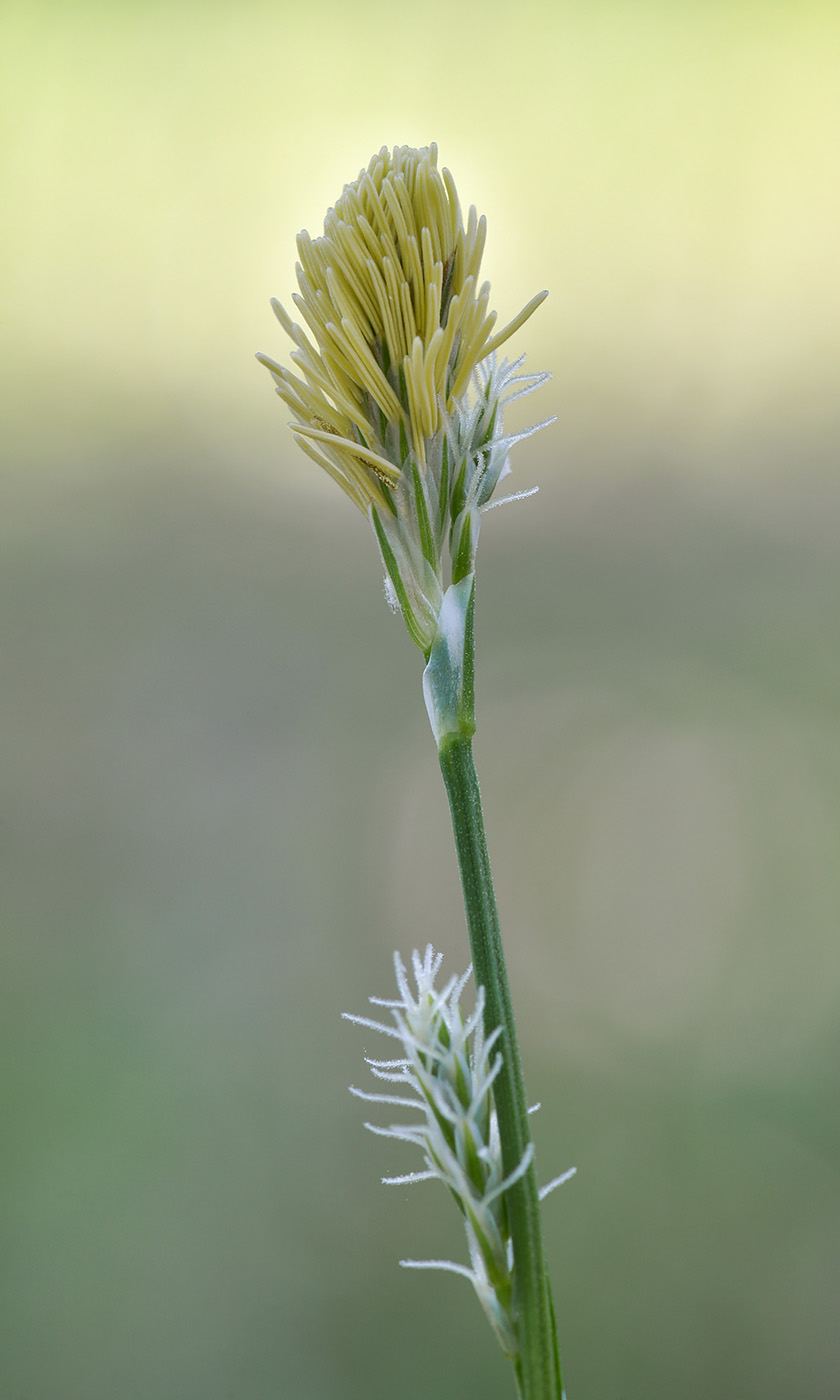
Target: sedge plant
x,y
398,392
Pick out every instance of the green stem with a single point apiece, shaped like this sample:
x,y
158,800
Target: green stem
x,y
538,1365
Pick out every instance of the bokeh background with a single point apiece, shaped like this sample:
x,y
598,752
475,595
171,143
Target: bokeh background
x,y
220,803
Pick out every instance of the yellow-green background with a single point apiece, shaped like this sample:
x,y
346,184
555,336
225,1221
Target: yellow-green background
x,y
221,810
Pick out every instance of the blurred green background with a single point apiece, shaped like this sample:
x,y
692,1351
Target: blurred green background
x,y
221,808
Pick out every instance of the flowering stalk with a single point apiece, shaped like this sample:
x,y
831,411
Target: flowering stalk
x,y
533,1306
400,397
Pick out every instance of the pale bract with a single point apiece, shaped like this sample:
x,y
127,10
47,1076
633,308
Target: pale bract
x,y
399,393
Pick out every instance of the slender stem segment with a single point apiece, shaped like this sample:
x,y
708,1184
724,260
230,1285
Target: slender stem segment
x,y
538,1365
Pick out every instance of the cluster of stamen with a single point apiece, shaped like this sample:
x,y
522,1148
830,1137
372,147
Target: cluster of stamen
x,y
397,319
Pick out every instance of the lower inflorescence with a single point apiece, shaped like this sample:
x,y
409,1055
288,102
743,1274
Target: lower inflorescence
x,y
446,1072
